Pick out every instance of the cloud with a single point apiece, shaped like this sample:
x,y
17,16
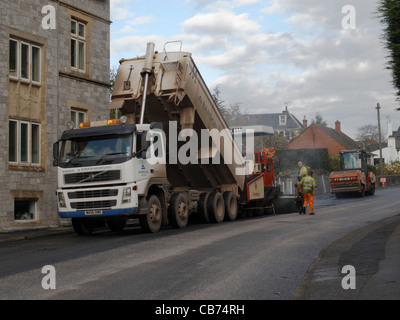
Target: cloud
x,y
134,45
308,60
143,20
217,4
220,22
318,66
120,9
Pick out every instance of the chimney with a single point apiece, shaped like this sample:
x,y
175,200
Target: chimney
x,y
390,128
337,126
305,124
286,111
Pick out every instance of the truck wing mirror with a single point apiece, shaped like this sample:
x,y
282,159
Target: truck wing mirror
x,y
55,153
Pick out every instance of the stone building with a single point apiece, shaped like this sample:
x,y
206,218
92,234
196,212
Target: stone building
x,y
54,67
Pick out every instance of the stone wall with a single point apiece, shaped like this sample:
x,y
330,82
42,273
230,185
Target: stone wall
x,y
49,102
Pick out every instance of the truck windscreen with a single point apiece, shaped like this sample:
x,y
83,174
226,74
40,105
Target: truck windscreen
x,y
98,150
350,161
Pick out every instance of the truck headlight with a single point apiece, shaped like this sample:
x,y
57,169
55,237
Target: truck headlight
x,y
126,194
61,200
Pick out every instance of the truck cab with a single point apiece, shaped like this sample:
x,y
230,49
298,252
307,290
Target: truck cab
x,y
105,169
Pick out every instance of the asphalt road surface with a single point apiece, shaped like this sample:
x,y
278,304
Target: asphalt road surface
x,y
268,257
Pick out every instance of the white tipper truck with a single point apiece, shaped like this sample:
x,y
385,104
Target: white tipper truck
x,y
162,161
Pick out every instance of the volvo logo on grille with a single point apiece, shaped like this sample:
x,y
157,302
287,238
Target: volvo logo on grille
x,y
96,176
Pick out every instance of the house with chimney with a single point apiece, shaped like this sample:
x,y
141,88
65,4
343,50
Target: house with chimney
x,y
391,152
321,137
284,123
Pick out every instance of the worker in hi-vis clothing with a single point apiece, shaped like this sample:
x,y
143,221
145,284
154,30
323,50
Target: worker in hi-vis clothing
x,y
307,186
302,172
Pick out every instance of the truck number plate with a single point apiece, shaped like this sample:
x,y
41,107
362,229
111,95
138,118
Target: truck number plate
x,y
93,212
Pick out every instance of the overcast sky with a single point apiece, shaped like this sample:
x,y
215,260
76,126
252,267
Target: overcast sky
x,y
265,54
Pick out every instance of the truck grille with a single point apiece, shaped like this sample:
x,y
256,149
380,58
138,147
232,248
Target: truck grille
x,y
93,204
93,194
96,176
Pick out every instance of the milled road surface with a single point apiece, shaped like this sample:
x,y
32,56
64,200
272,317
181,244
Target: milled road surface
x,y
269,257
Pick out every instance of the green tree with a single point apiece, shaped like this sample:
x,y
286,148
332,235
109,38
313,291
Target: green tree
x,y
389,13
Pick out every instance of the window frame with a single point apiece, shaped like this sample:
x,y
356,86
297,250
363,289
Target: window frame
x,y
77,56
28,78
26,143
39,68
37,142
27,157
16,58
25,63
78,112
32,203
15,142
282,119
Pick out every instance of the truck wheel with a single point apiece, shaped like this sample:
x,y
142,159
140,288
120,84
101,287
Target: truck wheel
x,y
362,192
82,226
202,208
116,225
151,222
231,208
216,207
179,210
371,191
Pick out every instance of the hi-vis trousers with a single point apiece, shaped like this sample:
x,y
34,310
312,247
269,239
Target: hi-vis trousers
x,y
309,201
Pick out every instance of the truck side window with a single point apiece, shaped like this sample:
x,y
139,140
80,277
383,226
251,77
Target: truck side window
x,y
157,149
141,145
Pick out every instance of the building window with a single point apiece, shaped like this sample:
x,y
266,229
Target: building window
x,y
78,45
282,119
24,209
35,64
13,58
77,117
24,61
12,140
23,142
35,143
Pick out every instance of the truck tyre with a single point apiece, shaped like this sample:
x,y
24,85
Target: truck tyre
x,y
151,222
116,225
202,208
231,208
178,211
371,191
82,226
216,207
362,192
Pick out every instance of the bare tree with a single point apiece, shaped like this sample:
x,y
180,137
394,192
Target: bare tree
x,y
368,134
319,120
231,113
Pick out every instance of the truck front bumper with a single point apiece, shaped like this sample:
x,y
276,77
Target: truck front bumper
x,y
98,213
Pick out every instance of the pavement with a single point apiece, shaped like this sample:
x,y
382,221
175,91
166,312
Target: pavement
x,y
373,251
374,254
28,234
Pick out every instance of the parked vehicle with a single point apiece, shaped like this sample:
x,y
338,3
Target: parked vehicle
x,y
164,160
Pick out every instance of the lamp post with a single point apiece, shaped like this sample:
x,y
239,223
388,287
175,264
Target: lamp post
x,y
378,108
